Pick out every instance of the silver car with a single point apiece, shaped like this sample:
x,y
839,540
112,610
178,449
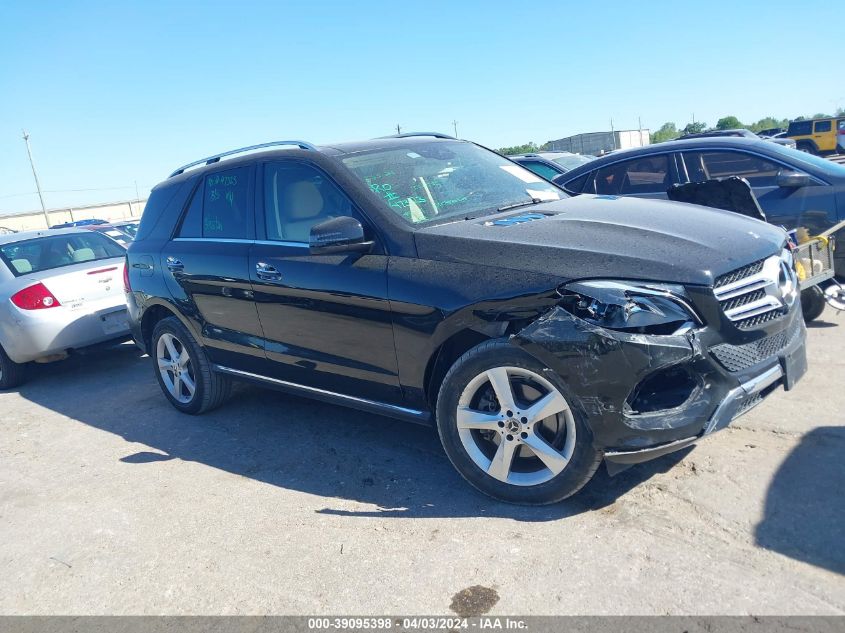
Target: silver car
x,y
60,290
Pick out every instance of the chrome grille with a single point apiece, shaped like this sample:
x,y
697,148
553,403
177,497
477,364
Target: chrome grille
x,y
740,273
754,294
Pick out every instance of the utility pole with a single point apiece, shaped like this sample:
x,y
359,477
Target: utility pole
x,y
398,129
35,175
455,126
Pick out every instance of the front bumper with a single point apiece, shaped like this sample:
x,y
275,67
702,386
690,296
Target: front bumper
x,y
603,372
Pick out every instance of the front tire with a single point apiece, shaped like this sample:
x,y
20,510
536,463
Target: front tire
x,y
509,429
12,374
183,370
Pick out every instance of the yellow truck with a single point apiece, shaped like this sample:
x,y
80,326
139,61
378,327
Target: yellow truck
x,y
819,136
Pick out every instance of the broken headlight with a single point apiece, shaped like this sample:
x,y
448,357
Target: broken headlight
x,y
630,307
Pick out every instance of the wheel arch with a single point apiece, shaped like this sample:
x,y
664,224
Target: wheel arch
x,y
455,346
156,312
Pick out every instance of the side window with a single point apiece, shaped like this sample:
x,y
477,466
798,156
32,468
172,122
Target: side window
x,y
757,171
220,206
648,174
298,196
544,171
822,126
575,186
800,128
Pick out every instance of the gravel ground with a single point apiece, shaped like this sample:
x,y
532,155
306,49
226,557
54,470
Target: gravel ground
x,y
113,503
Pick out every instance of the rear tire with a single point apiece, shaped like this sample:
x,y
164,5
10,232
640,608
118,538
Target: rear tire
x,y
183,370
535,448
812,303
12,374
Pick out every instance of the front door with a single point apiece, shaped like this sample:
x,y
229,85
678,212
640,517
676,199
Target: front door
x,y
206,266
326,318
812,207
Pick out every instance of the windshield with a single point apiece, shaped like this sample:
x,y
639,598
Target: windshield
x,y
437,180
571,162
797,156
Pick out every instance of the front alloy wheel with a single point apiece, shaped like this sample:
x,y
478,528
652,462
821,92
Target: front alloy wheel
x,y
509,428
516,426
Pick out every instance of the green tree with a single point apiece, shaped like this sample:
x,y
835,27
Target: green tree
x,y
694,128
767,123
527,148
728,123
666,132
821,116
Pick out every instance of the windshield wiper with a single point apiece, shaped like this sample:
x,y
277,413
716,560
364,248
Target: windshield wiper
x,y
516,205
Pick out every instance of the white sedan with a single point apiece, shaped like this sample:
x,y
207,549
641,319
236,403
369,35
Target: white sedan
x,y
60,290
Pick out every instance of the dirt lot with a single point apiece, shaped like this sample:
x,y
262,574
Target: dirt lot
x,y
113,503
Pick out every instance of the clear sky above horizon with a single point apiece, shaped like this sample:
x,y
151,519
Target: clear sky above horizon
x,y
114,93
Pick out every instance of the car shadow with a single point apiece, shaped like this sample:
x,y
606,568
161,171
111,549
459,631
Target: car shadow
x,y
804,516
392,468
820,324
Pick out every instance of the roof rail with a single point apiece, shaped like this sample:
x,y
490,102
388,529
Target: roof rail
x,y
213,159
410,134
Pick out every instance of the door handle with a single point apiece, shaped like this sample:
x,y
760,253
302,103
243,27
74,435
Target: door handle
x,y
267,272
174,265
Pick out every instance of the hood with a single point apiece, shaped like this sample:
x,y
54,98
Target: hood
x,y
607,237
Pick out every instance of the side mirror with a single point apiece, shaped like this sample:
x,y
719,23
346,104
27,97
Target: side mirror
x,y
338,235
791,179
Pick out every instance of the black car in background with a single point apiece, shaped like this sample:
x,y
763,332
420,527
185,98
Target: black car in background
x,y
794,188
551,164
435,281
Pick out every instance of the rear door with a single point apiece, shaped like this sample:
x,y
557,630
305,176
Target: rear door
x,y
206,266
326,318
840,135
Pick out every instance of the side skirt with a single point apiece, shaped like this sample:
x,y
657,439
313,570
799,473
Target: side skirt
x,y
362,404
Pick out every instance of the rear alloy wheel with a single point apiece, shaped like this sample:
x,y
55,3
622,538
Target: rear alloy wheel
x,y
183,370
175,368
12,374
509,429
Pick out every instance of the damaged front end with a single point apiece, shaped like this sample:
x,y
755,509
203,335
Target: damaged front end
x,y
635,359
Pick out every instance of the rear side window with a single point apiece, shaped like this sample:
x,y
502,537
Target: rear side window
x,y
800,128
823,126
757,171
56,251
220,207
577,185
648,174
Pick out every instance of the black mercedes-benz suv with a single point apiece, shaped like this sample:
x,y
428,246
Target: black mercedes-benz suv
x,y
433,280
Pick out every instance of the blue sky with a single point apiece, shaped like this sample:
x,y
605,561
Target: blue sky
x,y
114,93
